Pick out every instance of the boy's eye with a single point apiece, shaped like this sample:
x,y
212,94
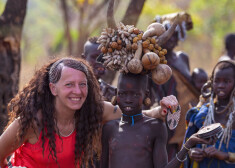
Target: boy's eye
x,y
136,94
120,93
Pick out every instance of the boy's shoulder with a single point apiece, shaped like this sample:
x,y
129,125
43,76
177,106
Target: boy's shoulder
x,y
154,123
112,122
151,120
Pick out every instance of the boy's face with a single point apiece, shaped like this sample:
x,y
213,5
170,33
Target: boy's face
x,y
199,81
223,83
130,96
91,54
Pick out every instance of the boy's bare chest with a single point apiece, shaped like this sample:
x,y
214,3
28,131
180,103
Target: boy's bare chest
x,y
131,139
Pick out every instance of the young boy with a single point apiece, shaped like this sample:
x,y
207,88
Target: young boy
x,y
90,54
199,78
137,141
220,109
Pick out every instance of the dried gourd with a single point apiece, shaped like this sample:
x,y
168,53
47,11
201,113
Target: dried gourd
x,y
161,74
154,29
134,65
150,60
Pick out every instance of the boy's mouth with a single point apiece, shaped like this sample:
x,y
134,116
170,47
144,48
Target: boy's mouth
x,y
221,93
128,108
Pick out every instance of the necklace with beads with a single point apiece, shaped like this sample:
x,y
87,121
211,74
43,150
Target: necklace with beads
x,y
61,134
224,110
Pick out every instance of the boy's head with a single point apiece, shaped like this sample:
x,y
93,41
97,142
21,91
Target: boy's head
x,y
230,42
199,78
131,91
91,52
223,79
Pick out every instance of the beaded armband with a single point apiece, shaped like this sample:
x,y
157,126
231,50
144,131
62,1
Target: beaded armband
x,y
231,157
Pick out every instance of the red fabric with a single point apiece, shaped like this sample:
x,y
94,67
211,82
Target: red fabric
x,y
31,156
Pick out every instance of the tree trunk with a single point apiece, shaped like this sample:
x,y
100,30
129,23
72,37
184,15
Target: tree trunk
x,y
11,24
133,12
67,26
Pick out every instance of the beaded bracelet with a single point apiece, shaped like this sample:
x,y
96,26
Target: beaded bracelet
x,y
231,157
179,159
186,147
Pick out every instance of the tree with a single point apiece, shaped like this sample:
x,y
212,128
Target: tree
x,y
11,24
90,20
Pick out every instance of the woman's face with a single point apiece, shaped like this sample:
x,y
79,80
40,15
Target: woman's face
x,y
71,90
223,82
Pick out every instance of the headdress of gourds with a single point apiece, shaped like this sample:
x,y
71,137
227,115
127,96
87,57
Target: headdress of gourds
x,y
128,49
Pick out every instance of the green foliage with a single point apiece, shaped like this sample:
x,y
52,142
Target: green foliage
x,y
42,23
43,32
2,5
153,8
212,20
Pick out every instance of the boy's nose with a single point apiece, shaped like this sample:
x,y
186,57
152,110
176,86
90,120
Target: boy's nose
x,y
221,84
129,98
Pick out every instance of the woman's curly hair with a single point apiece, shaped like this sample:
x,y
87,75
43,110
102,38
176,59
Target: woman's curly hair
x,y
36,98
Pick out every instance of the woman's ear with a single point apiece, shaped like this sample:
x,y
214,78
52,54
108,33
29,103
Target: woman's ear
x,y
53,89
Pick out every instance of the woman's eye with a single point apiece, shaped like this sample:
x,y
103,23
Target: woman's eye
x,y
68,84
83,85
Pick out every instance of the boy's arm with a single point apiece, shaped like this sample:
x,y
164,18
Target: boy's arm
x,y
104,161
159,149
160,154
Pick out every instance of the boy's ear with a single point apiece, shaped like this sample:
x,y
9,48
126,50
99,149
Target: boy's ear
x,y
147,101
114,98
53,89
83,56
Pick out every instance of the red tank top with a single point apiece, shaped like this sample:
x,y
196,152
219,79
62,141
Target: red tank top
x,y
31,156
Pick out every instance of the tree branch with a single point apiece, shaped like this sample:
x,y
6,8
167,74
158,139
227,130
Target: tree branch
x,y
97,9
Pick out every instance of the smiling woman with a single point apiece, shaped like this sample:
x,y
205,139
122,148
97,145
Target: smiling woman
x,y
49,112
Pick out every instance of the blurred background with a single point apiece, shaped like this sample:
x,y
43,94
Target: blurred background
x,y
52,28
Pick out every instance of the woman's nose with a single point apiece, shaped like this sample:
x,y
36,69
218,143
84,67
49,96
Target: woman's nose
x,y
77,89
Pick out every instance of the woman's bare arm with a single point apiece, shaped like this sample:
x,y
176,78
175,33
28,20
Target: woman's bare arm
x,y
114,112
8,142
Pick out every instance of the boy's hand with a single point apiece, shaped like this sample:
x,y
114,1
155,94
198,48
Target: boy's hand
x,y
212,152
196,154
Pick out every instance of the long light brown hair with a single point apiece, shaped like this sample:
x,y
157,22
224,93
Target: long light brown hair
x,y
36,97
